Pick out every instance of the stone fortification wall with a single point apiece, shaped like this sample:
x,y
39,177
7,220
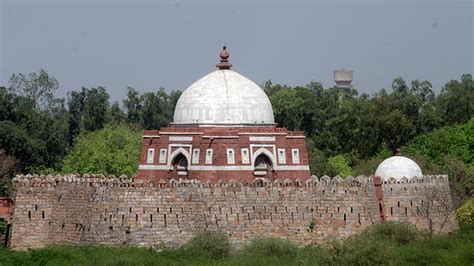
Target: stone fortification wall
x,y
85,210
97,210
424,202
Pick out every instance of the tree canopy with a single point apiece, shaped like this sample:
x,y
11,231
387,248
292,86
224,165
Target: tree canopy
x,y
110,150
347,133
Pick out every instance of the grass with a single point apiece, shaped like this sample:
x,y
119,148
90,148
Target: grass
x,y
386,244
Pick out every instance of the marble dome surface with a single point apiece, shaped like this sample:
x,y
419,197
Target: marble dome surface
x,y
398,167
223,97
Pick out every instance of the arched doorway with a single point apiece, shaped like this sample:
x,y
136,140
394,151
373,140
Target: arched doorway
x,y
179,167
263,166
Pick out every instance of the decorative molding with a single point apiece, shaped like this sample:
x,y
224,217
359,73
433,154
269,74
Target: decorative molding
x,y
175,153
224,167
220,137
262,133
262,138
181,138
268,153
295,137
180,133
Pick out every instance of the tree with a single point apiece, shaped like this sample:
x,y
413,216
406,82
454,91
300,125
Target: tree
x,y
76,103
317,159
456,101
133,107
35,136
95,108
117,116
340,166
156,111
38,87
294,108
271,89
111,150
8,168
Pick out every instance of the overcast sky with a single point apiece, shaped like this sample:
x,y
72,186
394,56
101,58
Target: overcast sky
x,y
147,45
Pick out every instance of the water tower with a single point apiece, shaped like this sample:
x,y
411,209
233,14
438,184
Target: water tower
x,y
343,78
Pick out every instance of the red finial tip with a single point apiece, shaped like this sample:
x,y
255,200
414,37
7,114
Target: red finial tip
x,y
224,64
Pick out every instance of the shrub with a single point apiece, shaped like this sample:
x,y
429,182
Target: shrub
x,y
212,244
465,213
363,249
455,249
270,247
400,233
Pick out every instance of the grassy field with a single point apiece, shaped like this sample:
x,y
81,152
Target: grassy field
x,y
387,244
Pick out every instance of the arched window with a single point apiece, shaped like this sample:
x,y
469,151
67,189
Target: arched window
x,y
262,166
180,166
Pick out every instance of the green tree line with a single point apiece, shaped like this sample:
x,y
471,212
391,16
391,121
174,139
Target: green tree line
x,y
347,133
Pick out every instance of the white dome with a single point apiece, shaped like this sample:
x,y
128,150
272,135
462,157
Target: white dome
x,y
398,167
224,97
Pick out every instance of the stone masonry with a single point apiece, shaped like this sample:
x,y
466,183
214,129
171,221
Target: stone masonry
x,y
97,210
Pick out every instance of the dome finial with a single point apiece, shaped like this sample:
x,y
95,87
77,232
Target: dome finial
x,y
224,64
397,152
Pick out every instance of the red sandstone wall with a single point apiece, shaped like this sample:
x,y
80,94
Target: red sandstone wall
x,y
6,205
219,140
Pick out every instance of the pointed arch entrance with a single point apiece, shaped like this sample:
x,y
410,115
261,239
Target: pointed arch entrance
x,y
263,166
179,167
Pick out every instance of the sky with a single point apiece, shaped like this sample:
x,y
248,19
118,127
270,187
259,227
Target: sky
x,y
151,44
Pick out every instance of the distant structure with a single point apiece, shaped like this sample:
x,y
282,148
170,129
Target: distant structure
x,y
343,78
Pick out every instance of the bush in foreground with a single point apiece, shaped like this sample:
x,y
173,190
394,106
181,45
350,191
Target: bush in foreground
x,y
386,244
210,244
399,233
465,213
455,249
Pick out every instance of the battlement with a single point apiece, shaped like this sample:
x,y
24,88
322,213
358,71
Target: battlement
x,y
125,181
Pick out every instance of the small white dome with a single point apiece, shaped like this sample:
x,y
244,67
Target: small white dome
x,y
224,97
398,167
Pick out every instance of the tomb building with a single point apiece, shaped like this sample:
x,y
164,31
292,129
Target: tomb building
x,y
223,128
